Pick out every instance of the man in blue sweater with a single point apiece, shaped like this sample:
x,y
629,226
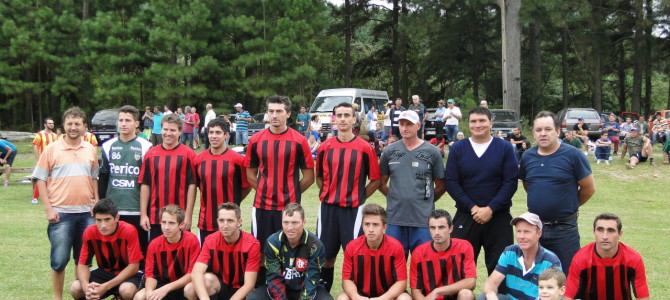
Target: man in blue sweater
x,y
481,176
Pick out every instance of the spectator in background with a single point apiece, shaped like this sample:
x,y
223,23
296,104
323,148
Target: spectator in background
x,y
519,141
572,140
88,136
581,130
7,155
372,120
166,110
395,117
303,120
181,114
313,145
638,148
42,139
643,126
459,137
209,115
661,133
612,127
438,118
420,110
388,118
315,127
625,128
156,138
188,128
196,127
483,103
603,148
147,121
452,117
242,119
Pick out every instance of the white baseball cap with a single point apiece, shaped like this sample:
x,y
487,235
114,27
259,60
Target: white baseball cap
x,y
238,105
410,115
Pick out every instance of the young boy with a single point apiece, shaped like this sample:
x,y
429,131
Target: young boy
x,y
117,253
551,285
603,146
170,258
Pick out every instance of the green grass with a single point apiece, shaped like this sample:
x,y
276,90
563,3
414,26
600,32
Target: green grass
x,y
639,196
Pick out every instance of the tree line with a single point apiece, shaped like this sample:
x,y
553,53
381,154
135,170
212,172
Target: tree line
x,y
606,54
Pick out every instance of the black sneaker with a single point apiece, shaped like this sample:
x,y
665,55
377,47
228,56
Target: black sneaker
x,y
651,161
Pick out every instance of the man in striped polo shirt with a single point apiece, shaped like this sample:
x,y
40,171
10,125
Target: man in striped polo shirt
x,y
40,142
520,265
66,176
242,120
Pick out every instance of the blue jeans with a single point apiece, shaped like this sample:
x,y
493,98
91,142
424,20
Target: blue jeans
x,y
451,131
187,139
66,235
241,137
562,238
410,237
603,153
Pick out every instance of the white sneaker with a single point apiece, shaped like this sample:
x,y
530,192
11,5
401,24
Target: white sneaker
x,y
34,201
586,153
598,161
607,162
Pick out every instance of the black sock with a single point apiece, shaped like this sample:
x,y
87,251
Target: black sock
x,y
327,275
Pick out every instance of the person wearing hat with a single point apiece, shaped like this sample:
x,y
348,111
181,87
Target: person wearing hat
x,y
412,180
521,264
638,148
452,116
582,131
242,119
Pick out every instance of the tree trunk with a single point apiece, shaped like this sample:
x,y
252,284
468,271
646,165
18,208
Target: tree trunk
x,y
404,50
348,33
621,74
536,67
596,60
647,55
564,65
84,9
637,57
395,57
511,53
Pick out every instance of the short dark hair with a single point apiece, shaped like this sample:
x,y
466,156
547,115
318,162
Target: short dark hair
x,y
373,209
174,119
47,119
220,122
553,273
292,208
174,210
441,213
105,206
277,99
230,206
548,114
132,110
344,104
74,112
481,111
608,216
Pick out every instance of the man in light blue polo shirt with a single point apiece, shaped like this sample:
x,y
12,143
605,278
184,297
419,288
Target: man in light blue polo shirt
x,y
242,120
521,264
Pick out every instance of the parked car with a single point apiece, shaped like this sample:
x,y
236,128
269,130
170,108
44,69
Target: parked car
x,y
430,129
103,124
504,120
568,118
257,125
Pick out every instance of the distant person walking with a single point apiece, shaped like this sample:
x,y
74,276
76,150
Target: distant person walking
x,y
242,120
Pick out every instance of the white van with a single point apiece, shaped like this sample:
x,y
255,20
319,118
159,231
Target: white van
x,y
326,100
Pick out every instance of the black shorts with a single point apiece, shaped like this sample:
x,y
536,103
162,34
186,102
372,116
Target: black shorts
x,y
639,157
102,276
337,226
264,223
225,293
203,234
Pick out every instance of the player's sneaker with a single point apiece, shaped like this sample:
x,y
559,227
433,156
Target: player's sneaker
x,y
34,201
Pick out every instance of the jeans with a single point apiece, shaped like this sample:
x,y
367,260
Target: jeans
x,y
451,131
562,238
66,235
241,137
410,237
603,153
187,139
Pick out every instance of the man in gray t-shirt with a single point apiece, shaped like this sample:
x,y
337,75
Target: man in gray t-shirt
x,y
416,172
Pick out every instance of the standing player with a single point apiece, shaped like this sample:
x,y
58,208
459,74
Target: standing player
x,y
343,165
170,258
121,161
374,264
607,268
40,142
443,268
66,176
229,261
117,253
415,170
167,178
220,175
275,159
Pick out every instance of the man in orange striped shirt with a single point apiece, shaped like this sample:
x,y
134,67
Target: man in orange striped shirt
x,y
42,139
66,176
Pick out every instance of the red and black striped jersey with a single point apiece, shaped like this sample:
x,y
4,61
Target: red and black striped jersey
x,y
374,271
592,277
168,173
221,178
114,252
167,262
279,159
344,168
431,269
230,261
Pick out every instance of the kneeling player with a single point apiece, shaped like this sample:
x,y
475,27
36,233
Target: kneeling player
x,y
374,264
117,253
443,268
229,261
170,258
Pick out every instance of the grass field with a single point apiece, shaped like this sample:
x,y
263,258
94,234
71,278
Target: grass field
x,y
639,196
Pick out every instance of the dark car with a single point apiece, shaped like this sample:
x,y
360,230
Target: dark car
x,y
103,124
257,125
568,117
430,129
504,120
